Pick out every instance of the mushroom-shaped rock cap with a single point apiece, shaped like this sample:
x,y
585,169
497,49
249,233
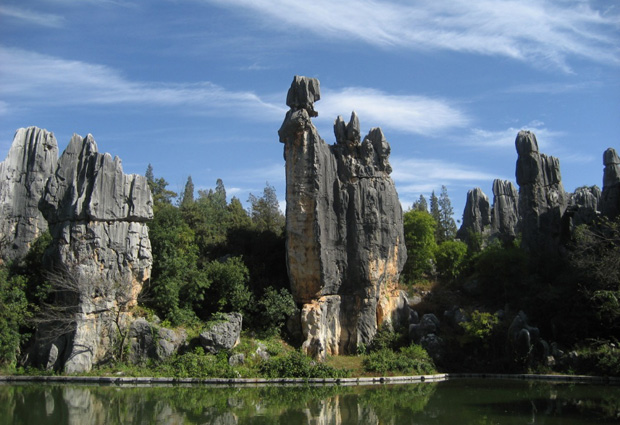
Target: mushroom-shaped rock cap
x,y
303,93
526,142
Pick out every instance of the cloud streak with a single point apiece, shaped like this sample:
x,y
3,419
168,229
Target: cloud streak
x,y
34,78
36,18
542,32
405,113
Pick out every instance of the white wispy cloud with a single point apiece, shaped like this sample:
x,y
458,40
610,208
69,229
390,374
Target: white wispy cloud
x,y
505,139
542,32
32,17
425,175
406,113
34,77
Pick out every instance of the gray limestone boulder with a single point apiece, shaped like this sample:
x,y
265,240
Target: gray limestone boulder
x,y
505,211
148,341
97,218
23,174
476,216
344,229
542,200
610,197
429,324
583,206
222,335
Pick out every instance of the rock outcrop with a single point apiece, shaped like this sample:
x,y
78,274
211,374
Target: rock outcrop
x,y
100,252
476,216
505,211
345,244
222,334
583,206
30,162
542,200
149,341
610,199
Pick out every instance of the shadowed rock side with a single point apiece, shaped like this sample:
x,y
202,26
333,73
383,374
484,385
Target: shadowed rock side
x,y
583,206
476,216
505,211
542,200
30,162
610,199
345,244
101,252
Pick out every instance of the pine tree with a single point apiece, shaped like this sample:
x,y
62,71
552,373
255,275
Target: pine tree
x,y
447,226
265,211
420,204
188,193
435,207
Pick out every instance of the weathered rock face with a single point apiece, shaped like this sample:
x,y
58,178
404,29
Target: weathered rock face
x,y
476,215
223,335
30,162
542,200
583,206
505,212
97,218
345,244
610,199
148,341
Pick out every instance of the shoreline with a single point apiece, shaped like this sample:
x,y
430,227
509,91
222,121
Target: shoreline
x,y
440,377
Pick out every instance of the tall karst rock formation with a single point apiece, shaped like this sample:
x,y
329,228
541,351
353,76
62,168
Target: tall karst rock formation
x,y
30,162
100,252
345,244
542,200
610,199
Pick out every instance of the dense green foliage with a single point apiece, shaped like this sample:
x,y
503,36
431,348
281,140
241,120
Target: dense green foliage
x,y
298,365
412,360
13,315
420,241
450,257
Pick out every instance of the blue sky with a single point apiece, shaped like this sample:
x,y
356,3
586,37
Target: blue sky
x,y
198,87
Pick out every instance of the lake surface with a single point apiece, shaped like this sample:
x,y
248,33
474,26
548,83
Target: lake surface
x,y
462,401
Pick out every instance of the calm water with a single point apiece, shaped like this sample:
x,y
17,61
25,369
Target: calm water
x,y
452,402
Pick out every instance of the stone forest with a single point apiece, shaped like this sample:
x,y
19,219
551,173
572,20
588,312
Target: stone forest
x,y
104,272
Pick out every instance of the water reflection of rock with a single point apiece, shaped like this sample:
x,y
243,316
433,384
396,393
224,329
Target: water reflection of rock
x,y
427,403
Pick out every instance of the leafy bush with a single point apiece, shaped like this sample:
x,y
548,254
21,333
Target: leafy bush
x,y
274,307
13,314
480,326
420,229
450,257
412,360
229,289
197,364
298,365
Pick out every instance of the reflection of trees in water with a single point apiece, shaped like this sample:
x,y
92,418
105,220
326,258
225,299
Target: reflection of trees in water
x,y
426,403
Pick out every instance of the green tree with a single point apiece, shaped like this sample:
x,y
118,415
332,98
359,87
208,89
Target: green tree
x,y
419,229
420,204
229,290
177,284
237,216
13,314
450,257
435,209
188,193
265,211
446,226
161,195
274,307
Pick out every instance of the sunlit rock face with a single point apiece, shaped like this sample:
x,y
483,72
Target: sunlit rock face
x,y
345,244
542,200
29,163
610,199
100,251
